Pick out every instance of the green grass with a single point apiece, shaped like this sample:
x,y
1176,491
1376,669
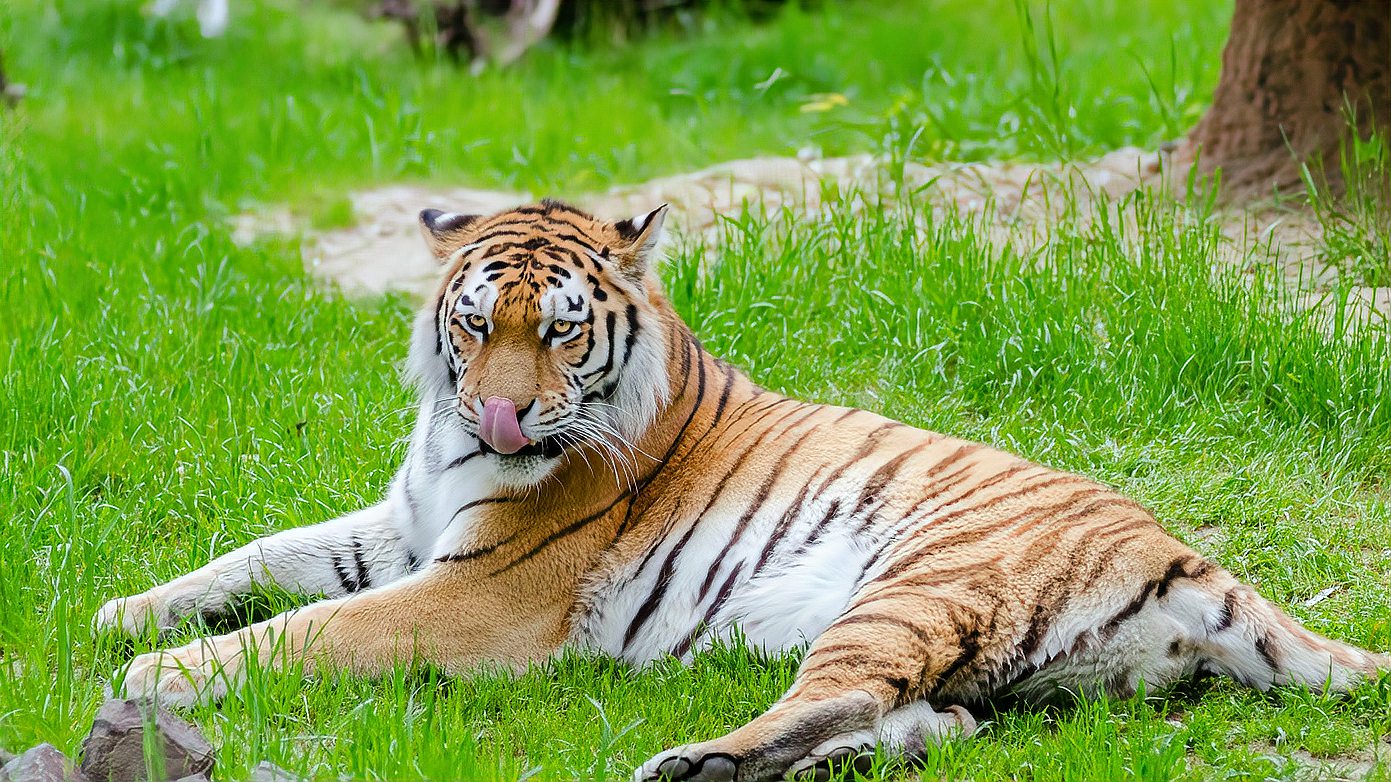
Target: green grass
x,y
168,395
1356,224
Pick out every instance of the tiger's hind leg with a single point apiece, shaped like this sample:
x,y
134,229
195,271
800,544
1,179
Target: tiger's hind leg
x,y
871,663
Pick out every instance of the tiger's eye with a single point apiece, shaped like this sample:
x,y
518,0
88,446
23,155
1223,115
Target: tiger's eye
x,y
477,322
562,327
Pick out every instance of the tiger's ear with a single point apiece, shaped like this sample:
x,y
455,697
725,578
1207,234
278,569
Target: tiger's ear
x,y
442,231
640,236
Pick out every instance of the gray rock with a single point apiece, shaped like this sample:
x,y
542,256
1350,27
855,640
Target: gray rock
x,y
6,756
193,778
266,771
43,763
115,749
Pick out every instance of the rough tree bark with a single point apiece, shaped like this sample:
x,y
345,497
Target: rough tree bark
x,y
1291,73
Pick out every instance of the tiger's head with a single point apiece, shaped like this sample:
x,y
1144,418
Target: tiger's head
x,y
543,334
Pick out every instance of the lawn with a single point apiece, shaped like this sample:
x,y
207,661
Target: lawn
x,y
172,395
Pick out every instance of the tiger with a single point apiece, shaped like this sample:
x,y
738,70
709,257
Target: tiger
x,y
584,474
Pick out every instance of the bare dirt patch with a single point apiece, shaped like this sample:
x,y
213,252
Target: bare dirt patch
x,y
1353,767
1021,204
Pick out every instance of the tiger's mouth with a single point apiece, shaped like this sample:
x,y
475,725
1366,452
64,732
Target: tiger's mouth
x,y
500,432
546,447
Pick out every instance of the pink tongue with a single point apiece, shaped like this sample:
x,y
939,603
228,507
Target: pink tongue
x,y
499,427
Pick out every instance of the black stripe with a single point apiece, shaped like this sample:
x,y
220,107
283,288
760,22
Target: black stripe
x,y
588,350
1228,614
900,685
566,236
610,323
475,503
705,624
555,208
939,575
495,233
1058,592
723,401
481,551
875,485
632,338
564,261
691,349
970,650
941,484
1177,569
760,498
344,578
364,579
460,461
820,526
1266,648
871,441
1132,608
781,528
846,646
659,588
597,288
979,533
530,245
997,478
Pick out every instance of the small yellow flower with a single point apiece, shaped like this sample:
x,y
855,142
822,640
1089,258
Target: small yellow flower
x,y
824,101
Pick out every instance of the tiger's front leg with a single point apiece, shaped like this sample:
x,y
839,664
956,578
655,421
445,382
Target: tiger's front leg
x,y
335,558
446,615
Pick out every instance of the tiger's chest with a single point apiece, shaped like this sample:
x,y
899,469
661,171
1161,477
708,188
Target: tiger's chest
x,y
767,556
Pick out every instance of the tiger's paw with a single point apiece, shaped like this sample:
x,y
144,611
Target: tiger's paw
x,y
135,616
201,672
690,762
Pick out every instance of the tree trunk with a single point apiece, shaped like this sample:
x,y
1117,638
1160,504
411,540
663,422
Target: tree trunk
x,y
1293,73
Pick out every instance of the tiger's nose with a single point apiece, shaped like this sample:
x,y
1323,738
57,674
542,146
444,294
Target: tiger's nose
x,y
522,407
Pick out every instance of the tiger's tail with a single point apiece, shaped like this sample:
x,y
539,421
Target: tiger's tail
x,y
1252,640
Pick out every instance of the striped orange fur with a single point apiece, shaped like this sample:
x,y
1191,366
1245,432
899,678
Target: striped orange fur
x,y
584,473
